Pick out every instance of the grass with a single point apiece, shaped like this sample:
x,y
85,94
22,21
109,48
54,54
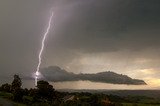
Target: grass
x,y
19,104
7,97
138,104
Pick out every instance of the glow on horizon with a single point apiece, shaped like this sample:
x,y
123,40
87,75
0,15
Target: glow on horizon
x,y
42,48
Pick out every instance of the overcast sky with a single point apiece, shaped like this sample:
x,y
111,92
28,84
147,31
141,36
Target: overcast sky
x,y
86,36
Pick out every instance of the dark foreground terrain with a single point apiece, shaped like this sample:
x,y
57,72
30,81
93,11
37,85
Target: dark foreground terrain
x,y
121,93
79,99
45,95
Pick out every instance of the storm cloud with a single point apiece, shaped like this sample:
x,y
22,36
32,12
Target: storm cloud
x,y
86,36
56,74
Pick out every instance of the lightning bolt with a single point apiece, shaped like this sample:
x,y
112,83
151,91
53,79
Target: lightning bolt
x,y
42,48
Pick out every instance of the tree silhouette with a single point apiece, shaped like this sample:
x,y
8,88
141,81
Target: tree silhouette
x,y
16,88
45,90
6,87
17,83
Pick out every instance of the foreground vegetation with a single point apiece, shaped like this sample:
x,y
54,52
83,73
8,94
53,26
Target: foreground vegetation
x,y
45,95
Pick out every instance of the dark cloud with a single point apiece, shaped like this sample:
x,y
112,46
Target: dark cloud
x,y
110,25
56,74
122,30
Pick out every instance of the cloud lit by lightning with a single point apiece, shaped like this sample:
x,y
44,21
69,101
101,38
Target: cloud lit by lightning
x,y
37,73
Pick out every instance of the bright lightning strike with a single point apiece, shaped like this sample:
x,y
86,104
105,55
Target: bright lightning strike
x,y
42,48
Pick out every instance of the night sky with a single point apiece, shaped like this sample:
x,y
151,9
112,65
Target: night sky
x,y
86,36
